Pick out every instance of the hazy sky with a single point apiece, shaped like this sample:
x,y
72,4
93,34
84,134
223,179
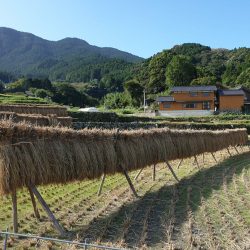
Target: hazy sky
x,y
142,27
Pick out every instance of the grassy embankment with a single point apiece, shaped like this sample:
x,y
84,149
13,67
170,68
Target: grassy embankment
x,y
22,99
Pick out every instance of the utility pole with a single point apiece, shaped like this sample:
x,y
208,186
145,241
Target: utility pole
x,y
144,100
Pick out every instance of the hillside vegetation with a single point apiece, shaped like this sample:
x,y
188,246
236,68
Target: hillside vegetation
x,y
67,59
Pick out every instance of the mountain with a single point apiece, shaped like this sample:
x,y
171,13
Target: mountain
x,y
26,54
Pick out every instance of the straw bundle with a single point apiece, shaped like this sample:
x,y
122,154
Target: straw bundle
x,y
44,155
34,109
38,120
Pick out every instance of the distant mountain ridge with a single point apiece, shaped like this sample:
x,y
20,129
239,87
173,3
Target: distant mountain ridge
x,y
25,53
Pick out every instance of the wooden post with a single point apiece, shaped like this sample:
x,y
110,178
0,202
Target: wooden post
x,y
129,181
229,152
179,164
138,174
203,158
5,240
36,212
196,161
46,208
213,156
153,176
236,150
14,211
172,171
101,185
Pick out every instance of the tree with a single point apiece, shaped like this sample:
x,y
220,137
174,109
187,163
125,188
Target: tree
x,y
135,90
157,69
66,94
180,71
2,87
244,78
117,100
42,93
207,80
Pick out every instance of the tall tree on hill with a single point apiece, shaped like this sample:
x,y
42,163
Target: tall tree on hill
x,y
157,69
180,71
135,90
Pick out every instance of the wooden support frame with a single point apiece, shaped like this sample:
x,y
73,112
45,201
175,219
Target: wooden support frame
x,y
179,164
129,181
32,197
229,152
101,185
214,157
196,161
46,208
153,174
138,174
172,171
5,243
236,150
14,211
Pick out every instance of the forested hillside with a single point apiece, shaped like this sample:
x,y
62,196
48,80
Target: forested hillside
x,y
69,59
195,64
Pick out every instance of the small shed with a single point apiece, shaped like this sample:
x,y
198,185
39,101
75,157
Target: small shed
x,y
231,99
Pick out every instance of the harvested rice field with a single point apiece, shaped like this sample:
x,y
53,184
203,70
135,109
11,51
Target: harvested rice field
x,y
208,209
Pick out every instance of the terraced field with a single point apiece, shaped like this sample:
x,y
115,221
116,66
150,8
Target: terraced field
x,y
208,209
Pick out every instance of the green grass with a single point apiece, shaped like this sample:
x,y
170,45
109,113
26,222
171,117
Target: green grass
x,y
207,209
13,99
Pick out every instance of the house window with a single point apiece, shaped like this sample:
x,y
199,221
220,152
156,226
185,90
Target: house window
x,y
193,93
189,105
166,105
206,94
206,105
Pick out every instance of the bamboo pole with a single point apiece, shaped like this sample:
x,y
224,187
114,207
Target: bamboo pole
x,y
236,150
36,212
14,211
179,164
172,171
46,208
153,176
196,161
101,185
5,243
214,157
138,174
229,152
129,181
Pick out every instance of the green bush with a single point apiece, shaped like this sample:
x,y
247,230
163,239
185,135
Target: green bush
x,y
117,100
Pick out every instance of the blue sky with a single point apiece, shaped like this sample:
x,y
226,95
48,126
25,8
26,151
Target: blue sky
x,y
142,27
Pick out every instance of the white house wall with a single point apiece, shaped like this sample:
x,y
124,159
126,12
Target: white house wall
x,y
176,113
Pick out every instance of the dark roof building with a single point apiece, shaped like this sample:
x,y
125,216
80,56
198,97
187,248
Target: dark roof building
x,y
231,92
194,89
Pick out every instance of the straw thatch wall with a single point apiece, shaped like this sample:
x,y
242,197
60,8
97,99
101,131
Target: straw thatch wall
x,y
38,120
44,155
34,109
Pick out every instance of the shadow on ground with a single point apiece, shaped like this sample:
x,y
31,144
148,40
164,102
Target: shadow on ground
x,y
143,221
